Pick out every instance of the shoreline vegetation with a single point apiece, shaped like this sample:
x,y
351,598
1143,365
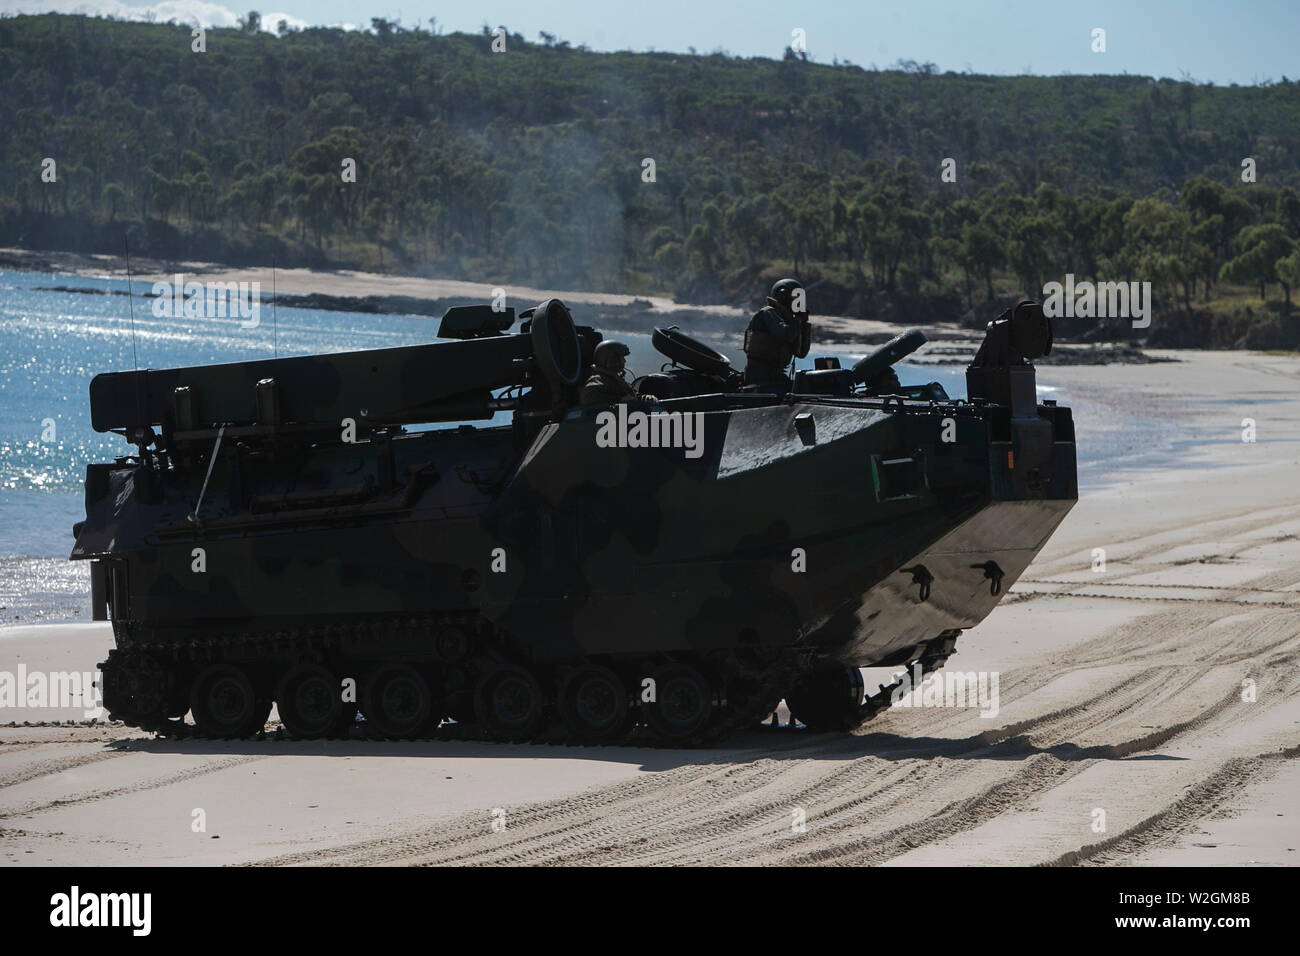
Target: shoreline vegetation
x,y
899,195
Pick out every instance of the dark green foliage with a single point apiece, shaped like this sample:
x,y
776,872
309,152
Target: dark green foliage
x,y
528,165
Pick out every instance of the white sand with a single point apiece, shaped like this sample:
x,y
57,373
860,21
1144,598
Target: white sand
x,y
1120,692
342,282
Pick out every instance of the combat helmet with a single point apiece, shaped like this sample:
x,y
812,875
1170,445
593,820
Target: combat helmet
x,y
783,293
611,356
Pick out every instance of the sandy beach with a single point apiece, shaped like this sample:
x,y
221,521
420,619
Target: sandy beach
x,y
1149,713
341,282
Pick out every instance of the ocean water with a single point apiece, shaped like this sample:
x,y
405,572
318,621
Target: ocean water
x,y
53,342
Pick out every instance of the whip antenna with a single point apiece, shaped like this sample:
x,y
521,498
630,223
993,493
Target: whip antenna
x,y
135,358
130,300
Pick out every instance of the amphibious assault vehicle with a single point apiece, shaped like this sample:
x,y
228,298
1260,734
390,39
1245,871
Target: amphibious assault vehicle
x,y
333,535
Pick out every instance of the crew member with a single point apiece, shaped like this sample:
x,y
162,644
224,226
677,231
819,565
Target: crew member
x,y
777,333
607,384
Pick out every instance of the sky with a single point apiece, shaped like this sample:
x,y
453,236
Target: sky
x,y
1244,42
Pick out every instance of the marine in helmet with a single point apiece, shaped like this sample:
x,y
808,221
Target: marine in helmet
x,y
608,384
777,333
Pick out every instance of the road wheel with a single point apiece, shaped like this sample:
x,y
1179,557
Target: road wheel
x,y
684,703
225,705
399,703
310,700
594,705
510,704
828,700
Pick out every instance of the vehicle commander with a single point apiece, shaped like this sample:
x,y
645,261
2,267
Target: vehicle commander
x,y
777,333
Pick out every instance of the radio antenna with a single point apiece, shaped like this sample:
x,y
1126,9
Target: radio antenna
x,y
135,358
130,299
275,348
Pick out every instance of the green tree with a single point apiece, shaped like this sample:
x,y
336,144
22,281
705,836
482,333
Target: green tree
x,y
114,197
982,251
1159,248
1288,274
1261,248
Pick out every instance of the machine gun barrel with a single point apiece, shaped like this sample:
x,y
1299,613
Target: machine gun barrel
x,y
895,350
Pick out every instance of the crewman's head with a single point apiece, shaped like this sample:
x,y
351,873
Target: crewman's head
x,y
789,294
611,356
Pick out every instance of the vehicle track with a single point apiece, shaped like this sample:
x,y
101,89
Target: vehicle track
x,y
53,765
1184,814
912,779
140,786
847,807
742,812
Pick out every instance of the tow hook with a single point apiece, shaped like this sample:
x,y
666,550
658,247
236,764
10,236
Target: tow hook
x,y
993,574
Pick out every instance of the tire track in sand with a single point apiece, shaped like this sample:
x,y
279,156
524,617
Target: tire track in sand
x,y
712,813
1199,802
137,787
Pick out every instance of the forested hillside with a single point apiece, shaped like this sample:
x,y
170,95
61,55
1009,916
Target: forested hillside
x,y
530,165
